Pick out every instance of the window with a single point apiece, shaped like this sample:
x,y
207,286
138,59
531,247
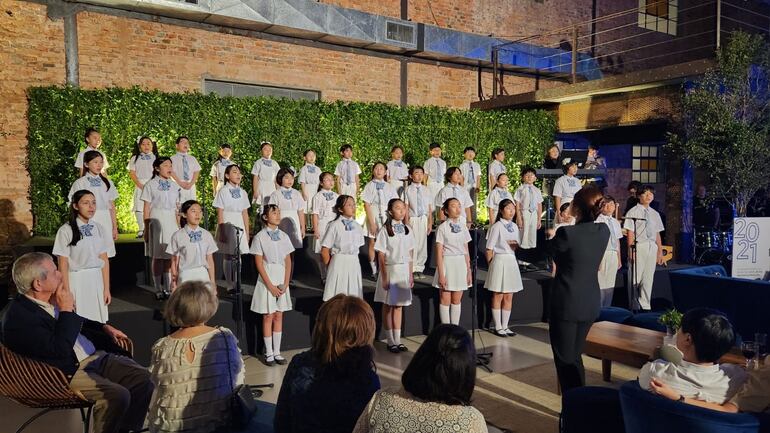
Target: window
x,y
646,164
659,15
241,90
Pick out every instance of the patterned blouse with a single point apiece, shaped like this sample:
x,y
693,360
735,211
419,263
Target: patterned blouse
x,y
399,411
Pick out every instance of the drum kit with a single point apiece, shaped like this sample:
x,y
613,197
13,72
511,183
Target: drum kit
x,y
713,247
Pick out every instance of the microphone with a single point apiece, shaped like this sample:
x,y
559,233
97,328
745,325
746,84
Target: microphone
x,y
237,229
633,219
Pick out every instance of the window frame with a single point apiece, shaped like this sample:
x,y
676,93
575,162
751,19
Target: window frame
x,y
642,173
663,24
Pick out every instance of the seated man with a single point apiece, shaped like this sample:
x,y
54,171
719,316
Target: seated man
x,y
41,324
705,336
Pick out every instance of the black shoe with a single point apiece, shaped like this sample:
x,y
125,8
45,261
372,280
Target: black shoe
x,y
162,295
402,348
270,361
280,360
394,349
501,333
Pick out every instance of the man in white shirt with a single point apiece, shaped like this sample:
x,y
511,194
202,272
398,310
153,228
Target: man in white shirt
x,y
705,336
41,324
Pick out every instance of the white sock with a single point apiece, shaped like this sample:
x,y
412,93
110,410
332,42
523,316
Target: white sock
x,y
454,313
277,343
443,312
496,318
506,318
140,220
373,264
268,346
167,284
396,336
228,271
389,337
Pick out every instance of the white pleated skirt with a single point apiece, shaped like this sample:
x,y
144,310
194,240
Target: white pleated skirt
x,y
290,225
199,273
226,234
529,231
323,223
160,227
309,190
263,302
608,270
349,190
504,275
399,293
433,189
456,272
188,194
343,276
87,288
266,187
102,216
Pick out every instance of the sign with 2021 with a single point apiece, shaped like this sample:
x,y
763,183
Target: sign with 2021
x,y
751,248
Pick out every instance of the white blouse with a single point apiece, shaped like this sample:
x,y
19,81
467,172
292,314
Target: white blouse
x,y
192,247
162,194
323,204
266,169
288,199
218,169
566,187
379,194
496,196
79,159
418,200
85,254
529,196
232,198
435,168
347,170
616,233
178,162
341,240
397,248
454,191
495,169
142,165
453,237
96,185
471,171
398,170
309,174
272,251
502,232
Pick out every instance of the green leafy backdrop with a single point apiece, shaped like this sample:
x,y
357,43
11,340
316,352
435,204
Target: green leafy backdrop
x,y
58,116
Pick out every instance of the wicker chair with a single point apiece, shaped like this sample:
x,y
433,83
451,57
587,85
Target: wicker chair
x,y
38,385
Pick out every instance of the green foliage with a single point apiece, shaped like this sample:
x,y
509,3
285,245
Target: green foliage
x,y
725,128
671,319
58,116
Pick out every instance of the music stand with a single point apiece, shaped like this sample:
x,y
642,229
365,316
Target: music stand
x,y
483,357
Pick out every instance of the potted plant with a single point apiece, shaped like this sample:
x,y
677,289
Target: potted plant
x,y
672,320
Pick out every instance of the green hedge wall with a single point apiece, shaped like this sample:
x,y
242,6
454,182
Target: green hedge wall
x,y
58,116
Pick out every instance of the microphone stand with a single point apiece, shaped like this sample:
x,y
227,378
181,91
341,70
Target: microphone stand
x,y
239,322
634,302
483,356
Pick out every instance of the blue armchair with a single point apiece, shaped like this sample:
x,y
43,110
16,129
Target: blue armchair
x,y
645,412
593,409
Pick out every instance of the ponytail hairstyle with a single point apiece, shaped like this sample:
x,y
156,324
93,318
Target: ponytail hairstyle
x,y
88,133
339,204
183,210
321,179
500,206
449,172
73,221
585,204
156,165
389,222
266,209
137,147
229,169
445,206
90,156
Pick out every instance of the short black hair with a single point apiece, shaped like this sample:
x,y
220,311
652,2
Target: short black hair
x,y
526,170
467,148
434,145
644,188
593,147
345,147
711,333
225,146
89,131
567,165
443,369
634,184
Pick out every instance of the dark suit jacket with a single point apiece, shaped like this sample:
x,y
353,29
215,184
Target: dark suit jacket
x,y
577,251
30,331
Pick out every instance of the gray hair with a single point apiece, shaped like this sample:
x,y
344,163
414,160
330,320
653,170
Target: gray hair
x,y
27,269
192,302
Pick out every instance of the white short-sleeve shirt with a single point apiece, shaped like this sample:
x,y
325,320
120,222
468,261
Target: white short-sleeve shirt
x,y
529,196
454,237
502,232
85,254
496,196
178,161
495,169
616,233
454,191
379,194
161,193
218,169
272,251
309,174
347,170
471,171
79,159
418,200
142,165
323,204
398,170
265,169
566,187
435,168
341,240
232,198
646,230
397,248
192,247
96,185
288,199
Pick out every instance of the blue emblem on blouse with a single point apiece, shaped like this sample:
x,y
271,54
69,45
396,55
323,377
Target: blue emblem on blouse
x,y
235,193
456,228
329,196
275,235
348,225
286,194
94,181
398,228
164,185
195,236
267,162
85,230
311,169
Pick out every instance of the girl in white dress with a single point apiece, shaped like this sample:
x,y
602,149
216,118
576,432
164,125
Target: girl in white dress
x,y
398,170
292,207
454,189
394,245
309,178
377,193
217,173
263,174
272,249
81,249
232,205
503,278
192,249
419,217
496,167
608,270
140,170
104,191
161,203
339,251
322,209
453,262
496,195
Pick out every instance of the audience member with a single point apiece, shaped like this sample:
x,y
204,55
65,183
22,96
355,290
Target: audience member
x,y
326,388
553,157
